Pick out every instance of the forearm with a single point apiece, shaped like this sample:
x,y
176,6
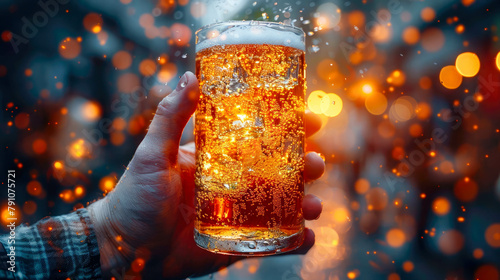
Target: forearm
x,y
53,248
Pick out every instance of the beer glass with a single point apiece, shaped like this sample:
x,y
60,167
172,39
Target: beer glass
x,y
249,135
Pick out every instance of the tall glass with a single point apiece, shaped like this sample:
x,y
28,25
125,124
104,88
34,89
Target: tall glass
x,y
249,131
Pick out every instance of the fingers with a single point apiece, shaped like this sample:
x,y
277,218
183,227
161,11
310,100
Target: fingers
x,y
313,123
311,207
314,166
172,115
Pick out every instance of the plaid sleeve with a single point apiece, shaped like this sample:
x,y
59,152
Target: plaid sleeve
x,y
58,247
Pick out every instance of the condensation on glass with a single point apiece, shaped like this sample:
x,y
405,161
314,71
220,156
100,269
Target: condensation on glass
x,y
249,134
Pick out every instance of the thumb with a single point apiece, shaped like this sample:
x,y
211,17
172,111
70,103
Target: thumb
x,y
171,117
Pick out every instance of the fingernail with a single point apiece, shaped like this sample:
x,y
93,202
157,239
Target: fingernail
x,y
182,82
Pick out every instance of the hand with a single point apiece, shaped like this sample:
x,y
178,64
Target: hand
x,y
150,212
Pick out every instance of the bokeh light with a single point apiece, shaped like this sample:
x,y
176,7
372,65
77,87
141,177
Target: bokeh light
x,y
395,237
411,35
432,39
449,77
314,101
331,105
409,128
498,60
467,64
69,48
376,103
428,14
451,242
328,15
107,183
93,22
122,60
441,206
492,235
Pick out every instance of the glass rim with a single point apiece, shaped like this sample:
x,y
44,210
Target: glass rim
x,y
286,27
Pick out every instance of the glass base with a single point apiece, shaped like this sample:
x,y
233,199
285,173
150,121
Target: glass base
x,y
248,247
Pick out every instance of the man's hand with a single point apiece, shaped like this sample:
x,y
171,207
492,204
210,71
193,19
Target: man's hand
x,y
150,213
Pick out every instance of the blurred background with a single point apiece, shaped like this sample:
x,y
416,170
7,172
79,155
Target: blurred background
x,y
411,143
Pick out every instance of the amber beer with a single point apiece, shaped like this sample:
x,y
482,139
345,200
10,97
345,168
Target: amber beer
x,y
249,131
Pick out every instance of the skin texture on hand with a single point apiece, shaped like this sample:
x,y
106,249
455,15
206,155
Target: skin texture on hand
x,y
150,213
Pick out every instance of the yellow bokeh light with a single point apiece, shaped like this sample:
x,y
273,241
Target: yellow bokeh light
x,y
7,216
92,22
331,105
341,215
397,78
326,237
96,29
107,183
376,103
498,60
58,165
314,101
79,191
79,148
67,196
449,77
367,89
467,64
351,275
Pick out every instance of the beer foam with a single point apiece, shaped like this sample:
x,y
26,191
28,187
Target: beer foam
x,y
253,34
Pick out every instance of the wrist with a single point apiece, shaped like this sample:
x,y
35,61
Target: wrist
x,y
113,251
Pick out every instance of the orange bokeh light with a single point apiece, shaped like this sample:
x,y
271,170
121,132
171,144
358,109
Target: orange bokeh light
x,y
91,111
441,206
449,77
107,183
92,22
465,189
362,186
451,242
39,146
492,235
22,120
34,188
411,35
395,237
122,60
69,48
428,14
147,67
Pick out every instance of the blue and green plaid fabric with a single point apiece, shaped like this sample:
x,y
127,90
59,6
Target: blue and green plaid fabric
x,y
58,247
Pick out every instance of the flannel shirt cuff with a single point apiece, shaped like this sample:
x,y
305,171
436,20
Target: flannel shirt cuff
x,y
58,247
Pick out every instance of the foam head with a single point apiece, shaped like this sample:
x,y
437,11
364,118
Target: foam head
x,y
249,32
